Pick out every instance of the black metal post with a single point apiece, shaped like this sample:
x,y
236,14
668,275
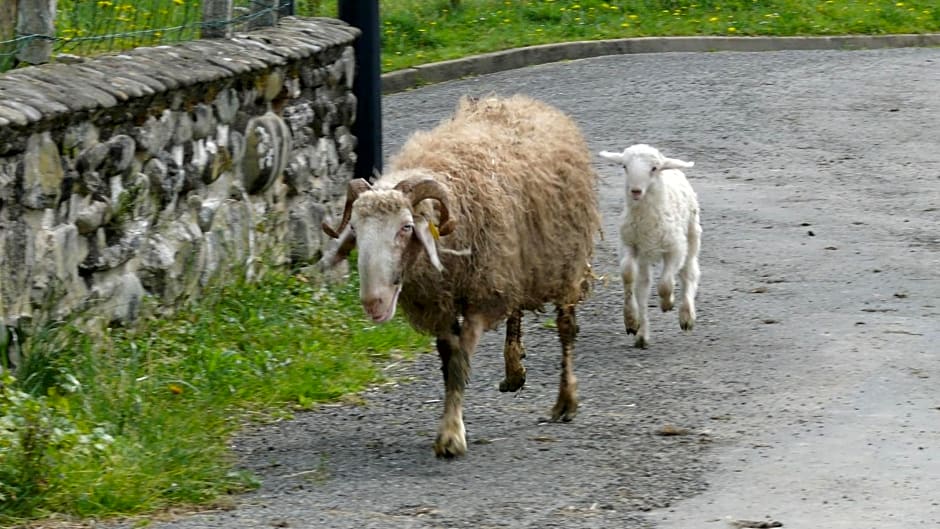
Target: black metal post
x,y
364,14
286,8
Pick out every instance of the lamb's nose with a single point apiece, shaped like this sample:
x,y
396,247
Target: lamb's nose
x,y
637,193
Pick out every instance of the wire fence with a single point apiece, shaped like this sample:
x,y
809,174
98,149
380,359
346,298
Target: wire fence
x,y
89,27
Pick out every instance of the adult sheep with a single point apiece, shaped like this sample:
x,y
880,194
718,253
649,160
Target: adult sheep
x,y
507,184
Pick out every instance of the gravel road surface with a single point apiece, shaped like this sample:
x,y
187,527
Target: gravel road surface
x,y
808,393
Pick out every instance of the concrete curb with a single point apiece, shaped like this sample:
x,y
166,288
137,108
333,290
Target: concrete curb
x,y
437,72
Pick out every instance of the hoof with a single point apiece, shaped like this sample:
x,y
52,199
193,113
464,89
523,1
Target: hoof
x,y
686,319
450,445
564,411
512,383
630,329
640,342
665,304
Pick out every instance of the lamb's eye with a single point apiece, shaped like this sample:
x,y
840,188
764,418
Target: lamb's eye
x,y
654,168
407,228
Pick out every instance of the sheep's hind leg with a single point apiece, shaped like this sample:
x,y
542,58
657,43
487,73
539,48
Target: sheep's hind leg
x,y
628,274
513,353
566,407
455,349
642,288
688,280
667,280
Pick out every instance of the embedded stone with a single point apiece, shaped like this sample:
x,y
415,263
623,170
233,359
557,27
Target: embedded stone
x,y
120,154
267,151
91,158
92,216
155,134
118,296
42,172
203,124
272,85
184,129
226,105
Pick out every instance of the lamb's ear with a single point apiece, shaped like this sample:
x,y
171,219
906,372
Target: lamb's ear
x,y
426,238
675,163
615,157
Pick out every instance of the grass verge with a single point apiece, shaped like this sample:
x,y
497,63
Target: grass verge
x,y
422,31
138,420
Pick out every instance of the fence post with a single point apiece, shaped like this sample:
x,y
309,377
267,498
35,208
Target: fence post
x,y
216,15
286,9
364,14
7,33
263,14
36,17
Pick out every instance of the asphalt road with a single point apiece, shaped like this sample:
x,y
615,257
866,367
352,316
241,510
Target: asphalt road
x,y
809,391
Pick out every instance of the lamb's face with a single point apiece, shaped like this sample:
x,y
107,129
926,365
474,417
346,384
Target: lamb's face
x,y
384,227
642,166
641,171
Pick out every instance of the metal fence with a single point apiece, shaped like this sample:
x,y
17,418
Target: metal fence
x,y
33,31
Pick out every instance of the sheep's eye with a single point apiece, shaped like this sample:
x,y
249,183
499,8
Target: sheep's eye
x,y
407,228
653,170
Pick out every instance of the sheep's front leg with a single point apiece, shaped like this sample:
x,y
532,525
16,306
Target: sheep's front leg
x,y
642,288
513,353
688,279
628,274
566,407
455,350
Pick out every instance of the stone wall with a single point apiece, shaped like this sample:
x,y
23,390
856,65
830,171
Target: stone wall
x,y
149,173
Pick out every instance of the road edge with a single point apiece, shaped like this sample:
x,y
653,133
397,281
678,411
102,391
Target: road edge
x,y
474,65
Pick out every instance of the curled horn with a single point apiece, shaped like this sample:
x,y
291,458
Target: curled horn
x,y
356,187
420,189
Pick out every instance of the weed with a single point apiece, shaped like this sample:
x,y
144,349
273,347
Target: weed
x,y
138,419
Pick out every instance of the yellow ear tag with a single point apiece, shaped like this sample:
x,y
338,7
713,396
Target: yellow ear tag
x,y
434,233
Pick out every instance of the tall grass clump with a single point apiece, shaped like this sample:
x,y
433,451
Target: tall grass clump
x,y
134,420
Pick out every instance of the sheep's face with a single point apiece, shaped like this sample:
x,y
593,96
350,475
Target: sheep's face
x,y
642,166
384,227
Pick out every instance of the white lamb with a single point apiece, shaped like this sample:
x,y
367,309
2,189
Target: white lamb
x,y
660,222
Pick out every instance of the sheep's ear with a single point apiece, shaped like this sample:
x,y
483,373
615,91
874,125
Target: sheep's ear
x,y
675,163
427,240
615,157
347,241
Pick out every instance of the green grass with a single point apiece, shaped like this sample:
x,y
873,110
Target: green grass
x,y
421,31
138,420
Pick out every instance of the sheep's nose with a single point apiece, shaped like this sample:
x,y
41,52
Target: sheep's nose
x,y
373,306
636,193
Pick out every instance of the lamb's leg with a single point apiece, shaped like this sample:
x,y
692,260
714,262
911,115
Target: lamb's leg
x,y
628,274
566,407
642,288
455,349
688,279
667,281
513,353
